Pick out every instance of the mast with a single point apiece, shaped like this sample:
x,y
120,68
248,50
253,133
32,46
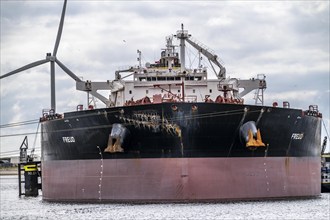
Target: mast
x,y
182,35
139,59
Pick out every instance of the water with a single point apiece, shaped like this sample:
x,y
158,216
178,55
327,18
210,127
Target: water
x,y
13,207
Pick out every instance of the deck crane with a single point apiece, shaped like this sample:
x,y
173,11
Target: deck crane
x,y
113,85
208,53
246,85
211,56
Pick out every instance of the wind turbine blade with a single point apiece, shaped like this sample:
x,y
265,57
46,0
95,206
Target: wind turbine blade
x,y
69,72
60,28
34,64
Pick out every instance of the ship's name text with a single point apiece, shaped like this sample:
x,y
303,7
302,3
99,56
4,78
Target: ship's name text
x,y
68,139
297,136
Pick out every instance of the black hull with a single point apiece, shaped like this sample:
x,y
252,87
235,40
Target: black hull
x,y
176,130
180,152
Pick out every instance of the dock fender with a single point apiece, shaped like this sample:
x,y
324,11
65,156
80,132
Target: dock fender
x,y
118,137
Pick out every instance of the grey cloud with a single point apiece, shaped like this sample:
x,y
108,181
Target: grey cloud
x,y
288,40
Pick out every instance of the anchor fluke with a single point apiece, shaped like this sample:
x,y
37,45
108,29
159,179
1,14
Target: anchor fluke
x,y
251,135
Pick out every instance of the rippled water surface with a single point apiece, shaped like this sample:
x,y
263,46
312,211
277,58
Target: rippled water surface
x,y
13,207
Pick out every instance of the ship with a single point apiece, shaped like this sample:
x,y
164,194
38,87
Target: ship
x,y
170,133
325,168
325,173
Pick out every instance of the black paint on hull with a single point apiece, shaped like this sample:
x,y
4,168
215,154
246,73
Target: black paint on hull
x,y
181,130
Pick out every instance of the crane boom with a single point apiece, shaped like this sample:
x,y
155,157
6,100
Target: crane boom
x,y
210,55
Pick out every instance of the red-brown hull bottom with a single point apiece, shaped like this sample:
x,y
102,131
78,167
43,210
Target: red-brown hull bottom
x,y
180,179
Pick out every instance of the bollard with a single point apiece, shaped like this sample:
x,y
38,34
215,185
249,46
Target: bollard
x,y
31,179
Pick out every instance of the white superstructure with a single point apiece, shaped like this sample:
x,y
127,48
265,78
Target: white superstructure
x,y
169,80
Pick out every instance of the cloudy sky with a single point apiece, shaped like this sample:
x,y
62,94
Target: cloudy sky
x,y
288,41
